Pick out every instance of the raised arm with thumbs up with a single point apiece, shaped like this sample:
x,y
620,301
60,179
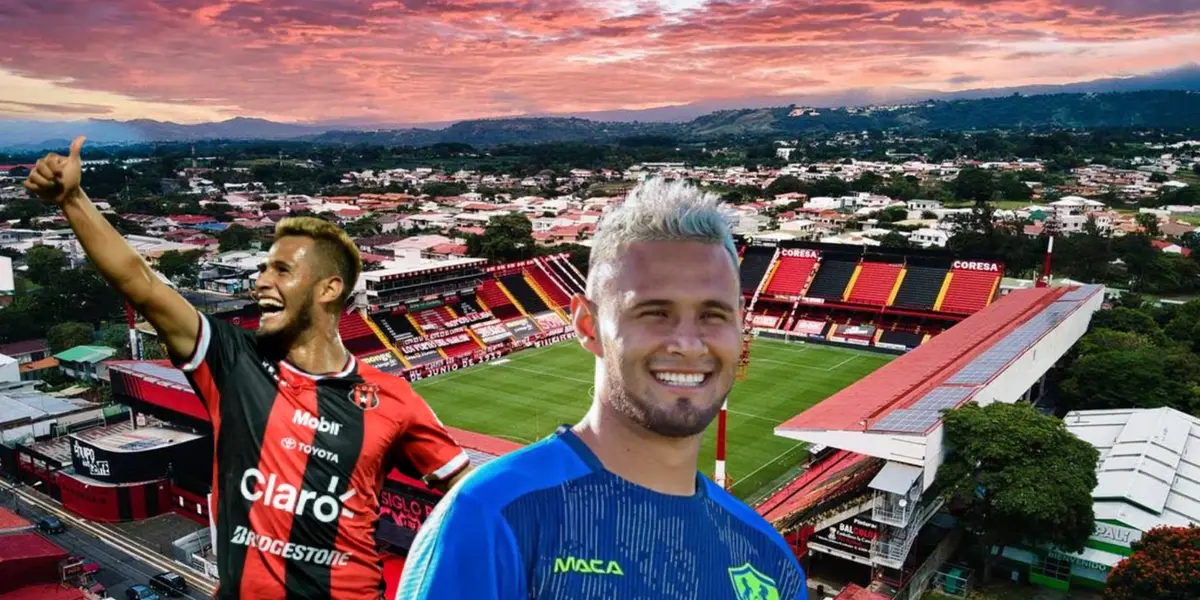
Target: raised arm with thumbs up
x,y
57,179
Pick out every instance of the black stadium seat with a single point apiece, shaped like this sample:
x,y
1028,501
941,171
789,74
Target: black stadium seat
x,y
396,327
907,339
755,262
832,277
920,288
519,288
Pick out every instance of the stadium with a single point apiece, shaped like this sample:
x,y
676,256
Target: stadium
x,y
832,433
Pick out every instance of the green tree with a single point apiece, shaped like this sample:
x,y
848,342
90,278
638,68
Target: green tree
x,y
1012,188
439,189
235,237
1163,566
1149,222
1015,476
19,320
1144,376
68,335
895,240
181,267
46,263
1106,340
867,182
365,227
1130,320
23,210
973,184
506,238
116,337
784,184
81,295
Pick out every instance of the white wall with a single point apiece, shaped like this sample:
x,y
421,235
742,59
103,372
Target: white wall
x,y
7,285
10,370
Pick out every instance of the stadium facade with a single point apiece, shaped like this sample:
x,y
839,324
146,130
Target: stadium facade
x,y
865,498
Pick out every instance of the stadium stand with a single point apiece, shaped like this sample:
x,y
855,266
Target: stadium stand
x,y
854,295
552,289
832,278
881,437
497,301
467,305
899,340
920,288
874,283
970,286
357,336
396,327
525,295
566,273
791,278
755,262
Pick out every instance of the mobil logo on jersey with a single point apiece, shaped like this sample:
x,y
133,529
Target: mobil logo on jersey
x,y
319,424
268,490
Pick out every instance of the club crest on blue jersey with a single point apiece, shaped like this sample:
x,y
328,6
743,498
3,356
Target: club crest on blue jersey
x,y
751,584
365,395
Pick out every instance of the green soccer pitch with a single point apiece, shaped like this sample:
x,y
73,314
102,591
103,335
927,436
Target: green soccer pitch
x,y
529,395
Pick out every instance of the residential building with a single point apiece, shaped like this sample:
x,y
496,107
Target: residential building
x,y
85,362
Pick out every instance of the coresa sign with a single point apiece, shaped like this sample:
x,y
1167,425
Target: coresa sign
x,y
975,265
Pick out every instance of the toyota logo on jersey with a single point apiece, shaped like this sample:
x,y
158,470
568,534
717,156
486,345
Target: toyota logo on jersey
x,y
365,395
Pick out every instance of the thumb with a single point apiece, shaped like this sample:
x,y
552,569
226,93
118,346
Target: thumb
x,y
76,145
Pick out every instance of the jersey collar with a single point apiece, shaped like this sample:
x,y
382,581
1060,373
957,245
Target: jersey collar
x,y
351,365
589,458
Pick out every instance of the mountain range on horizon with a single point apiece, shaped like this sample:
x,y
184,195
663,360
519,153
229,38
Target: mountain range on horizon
x,y
37,135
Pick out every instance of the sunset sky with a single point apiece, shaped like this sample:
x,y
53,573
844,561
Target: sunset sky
x,y
413,61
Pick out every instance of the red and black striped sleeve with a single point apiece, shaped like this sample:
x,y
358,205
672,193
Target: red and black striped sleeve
x,y
219,346
425,445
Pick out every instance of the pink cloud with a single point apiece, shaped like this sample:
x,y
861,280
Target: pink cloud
x,y
432,60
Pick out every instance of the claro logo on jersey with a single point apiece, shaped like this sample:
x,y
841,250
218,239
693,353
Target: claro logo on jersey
x,y
311,421
298,501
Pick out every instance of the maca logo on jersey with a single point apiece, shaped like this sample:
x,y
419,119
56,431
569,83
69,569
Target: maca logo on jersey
x,y
311,421
595,566
326,507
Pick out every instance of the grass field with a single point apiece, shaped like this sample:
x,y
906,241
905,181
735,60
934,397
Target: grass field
x,y
535,391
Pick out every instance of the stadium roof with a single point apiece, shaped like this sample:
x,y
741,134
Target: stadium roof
x,y
1149,472
23,403
908,394
89,354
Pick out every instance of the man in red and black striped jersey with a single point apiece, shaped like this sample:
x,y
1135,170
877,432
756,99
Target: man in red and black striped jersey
x,y
304,434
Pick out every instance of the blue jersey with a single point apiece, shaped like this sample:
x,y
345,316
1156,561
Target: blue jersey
x,y
549,522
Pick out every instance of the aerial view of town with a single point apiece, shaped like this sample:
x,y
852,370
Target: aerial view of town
x,y
969,286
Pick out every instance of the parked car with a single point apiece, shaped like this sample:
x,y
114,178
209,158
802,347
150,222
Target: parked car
x,y
50,524
89,566
168,583
140,592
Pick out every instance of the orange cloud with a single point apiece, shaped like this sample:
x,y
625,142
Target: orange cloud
x,y
435,60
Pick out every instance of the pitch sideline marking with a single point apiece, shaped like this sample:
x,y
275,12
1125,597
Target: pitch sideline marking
x,y
764,465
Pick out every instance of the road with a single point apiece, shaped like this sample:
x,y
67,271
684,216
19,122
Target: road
x,y
119,567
